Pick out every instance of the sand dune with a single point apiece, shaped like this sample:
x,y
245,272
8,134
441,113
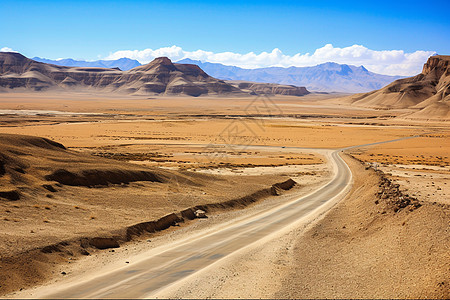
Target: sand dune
x,y
159,77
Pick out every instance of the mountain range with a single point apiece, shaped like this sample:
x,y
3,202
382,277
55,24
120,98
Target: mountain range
x,y
327,77
159,77
426,95
123,64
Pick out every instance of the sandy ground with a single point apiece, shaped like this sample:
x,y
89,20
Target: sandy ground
x,y
353,251
77,269
285,132
365,250
47,212
420,166
422,181
199,136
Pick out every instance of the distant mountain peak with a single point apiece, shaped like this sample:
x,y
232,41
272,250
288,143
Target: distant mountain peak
x,y
188,61
157,65
364,69
325,77
162,60
121,63
329,65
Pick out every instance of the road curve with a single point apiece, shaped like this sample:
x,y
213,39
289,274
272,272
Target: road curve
x,y
146,277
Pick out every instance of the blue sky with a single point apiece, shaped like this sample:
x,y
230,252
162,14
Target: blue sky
x,y
95,29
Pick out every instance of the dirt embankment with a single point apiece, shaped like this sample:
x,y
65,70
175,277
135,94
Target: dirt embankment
x,y
35,266
377,243
57,205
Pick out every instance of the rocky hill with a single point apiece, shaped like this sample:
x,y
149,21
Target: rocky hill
x,y
428,92
159,77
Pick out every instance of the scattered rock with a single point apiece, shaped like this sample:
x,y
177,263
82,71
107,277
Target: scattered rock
x,y
390,193
200,213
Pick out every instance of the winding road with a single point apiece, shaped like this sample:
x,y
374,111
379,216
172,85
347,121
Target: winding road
x,y
146,277
158,270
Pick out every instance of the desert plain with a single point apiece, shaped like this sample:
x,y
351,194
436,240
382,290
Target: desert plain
x,y
138,159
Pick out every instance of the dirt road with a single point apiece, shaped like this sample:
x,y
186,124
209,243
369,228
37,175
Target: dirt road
x,y
162,267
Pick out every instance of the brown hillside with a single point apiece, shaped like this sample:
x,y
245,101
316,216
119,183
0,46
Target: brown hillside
x,y
159,77
59,205
428,92
28,162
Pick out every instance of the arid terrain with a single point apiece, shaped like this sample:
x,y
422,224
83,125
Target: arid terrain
x,y
160,77
91,181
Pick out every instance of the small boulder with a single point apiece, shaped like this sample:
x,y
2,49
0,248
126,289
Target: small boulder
x,y
200,213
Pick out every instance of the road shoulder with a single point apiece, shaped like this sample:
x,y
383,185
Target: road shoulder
x,y
363,248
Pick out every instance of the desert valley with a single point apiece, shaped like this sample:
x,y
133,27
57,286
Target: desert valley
x,y
164,181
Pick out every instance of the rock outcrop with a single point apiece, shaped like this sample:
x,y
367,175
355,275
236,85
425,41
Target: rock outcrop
x,y
437,64
269,88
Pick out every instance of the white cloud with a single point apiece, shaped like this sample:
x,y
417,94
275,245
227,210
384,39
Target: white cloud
x,y
6,49
390,62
